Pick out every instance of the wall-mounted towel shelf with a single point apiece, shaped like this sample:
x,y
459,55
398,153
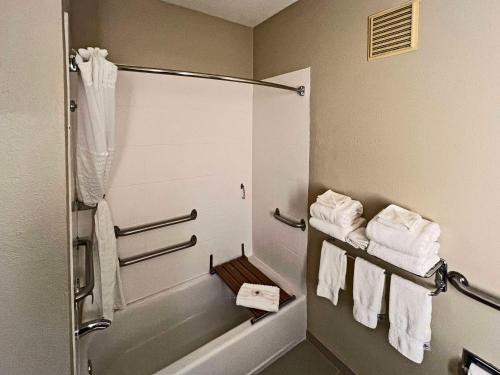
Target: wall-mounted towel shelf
x,y
156,225
159,252
238,271
439,270
301,224
462,284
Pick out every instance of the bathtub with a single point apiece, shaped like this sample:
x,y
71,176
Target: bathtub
x,y
194,328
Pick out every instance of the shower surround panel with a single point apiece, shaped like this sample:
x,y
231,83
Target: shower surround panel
x,y
182,143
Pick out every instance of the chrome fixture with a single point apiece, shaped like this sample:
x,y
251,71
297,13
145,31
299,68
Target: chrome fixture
x,y
156,225
243,192
460,282
92,326
159,252
73,67
86,290
294,224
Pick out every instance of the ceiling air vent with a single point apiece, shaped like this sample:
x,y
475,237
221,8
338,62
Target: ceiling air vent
x,y
393,31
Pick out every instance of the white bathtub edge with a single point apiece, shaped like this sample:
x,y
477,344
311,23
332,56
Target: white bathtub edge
x,y
234,344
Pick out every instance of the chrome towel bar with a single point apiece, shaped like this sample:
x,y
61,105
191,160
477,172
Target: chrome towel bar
x,y
462,285
294,224
439,270
83,292
159,252
156,225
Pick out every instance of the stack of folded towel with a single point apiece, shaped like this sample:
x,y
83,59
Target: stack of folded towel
x,y
256,296
336,215
405,239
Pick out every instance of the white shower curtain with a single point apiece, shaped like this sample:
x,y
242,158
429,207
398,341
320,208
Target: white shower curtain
x,y
96,124
94,154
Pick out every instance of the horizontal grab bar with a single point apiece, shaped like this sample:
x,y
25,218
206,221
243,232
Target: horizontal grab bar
x,y
81,293
295,224
460,282
159,252
156,225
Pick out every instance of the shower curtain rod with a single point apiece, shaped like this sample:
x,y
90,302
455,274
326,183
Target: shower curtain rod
x,y
141,69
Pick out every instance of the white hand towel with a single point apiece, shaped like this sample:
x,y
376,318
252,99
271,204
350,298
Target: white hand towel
x,y
476,370
358,239
368,292
410,313
332,199
399,218
415,243
110,281
256,296
332,270
334,230
418,265
343,215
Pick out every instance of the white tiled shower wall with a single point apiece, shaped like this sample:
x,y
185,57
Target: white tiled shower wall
x,y
281,176
186,143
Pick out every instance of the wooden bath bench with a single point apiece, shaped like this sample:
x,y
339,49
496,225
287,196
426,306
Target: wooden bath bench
x,y
238,271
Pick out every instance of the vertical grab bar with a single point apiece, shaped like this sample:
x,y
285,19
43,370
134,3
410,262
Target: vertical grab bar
x,y
86,290
80,294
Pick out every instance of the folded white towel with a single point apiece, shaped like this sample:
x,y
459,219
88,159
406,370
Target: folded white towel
x,y
343,215
332,199
256,296
410,313
418,265
415,243
335,230
368,292
332,270
476,370
399,218
357,238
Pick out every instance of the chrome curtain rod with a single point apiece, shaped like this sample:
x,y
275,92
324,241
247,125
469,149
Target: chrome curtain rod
x,y
141,69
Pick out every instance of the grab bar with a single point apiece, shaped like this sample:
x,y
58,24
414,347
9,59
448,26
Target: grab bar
x,y
295,224
91,326
81,293
156,225
462,285
159,252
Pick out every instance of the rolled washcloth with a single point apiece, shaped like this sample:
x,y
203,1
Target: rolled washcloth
x,y
399,218
414,243
256,296
358,239
418,265
335,230
343,215
332,199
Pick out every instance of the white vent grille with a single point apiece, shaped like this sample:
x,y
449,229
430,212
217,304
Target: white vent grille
x,y
393,31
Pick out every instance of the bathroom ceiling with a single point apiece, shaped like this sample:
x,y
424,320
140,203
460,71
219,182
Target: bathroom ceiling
x,y
245,12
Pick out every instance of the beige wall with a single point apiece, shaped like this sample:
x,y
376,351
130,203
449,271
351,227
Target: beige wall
x,y
35,331
419,129
153,33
